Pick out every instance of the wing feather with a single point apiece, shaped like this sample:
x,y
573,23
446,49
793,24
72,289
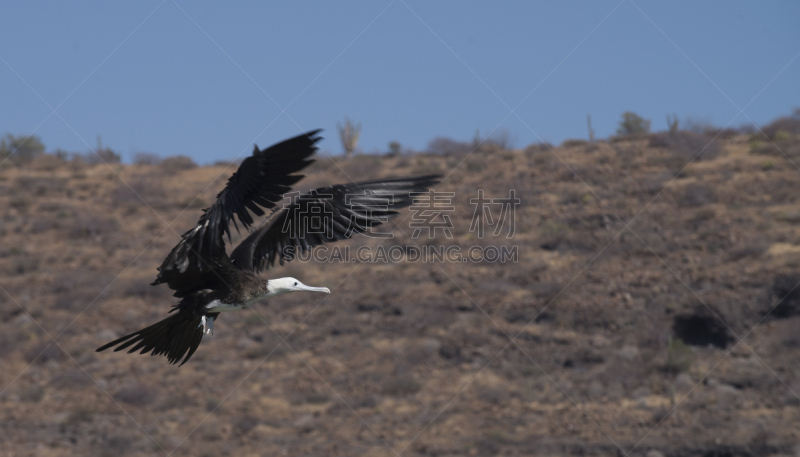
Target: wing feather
x,y
260,182
348,209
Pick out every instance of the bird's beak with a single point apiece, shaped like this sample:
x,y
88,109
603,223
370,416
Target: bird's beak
x,y
315,289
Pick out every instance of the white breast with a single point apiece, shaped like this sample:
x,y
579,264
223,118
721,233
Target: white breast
x,y
217,306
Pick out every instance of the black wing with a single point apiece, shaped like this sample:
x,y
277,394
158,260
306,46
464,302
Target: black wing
x,y
172,337
260,181
324,215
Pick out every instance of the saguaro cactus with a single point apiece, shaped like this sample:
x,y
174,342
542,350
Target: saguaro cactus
x,y
349,134
672,123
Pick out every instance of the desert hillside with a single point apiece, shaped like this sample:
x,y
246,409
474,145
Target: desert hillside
x,y
652,308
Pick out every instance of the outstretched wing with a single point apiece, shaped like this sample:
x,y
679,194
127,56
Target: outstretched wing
x,y
260,181
324,215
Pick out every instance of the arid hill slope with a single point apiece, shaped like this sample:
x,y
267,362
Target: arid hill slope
x,y
635,316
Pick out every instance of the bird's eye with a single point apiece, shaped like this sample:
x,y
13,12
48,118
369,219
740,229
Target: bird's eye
x,y
295,283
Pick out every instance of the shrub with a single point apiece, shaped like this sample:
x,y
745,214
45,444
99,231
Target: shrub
x,y
448,147
140,191
40,186
781,143
93,225
687,144
500,139
401,384
234,164
79,414
31,394
140,287
115,444
537,148
23,147
679,356
76,289
781,135
317,398
243,424
101,155
146,158
25,265
173,165
494,395
395,148
476,164
263,346
212,403
177,400
753,248
363,165
632,124
746,129
43,352
786,124
73,379
573,143
47,162
137,395
20,202
786,291
701,329
697,194
653,183
699,126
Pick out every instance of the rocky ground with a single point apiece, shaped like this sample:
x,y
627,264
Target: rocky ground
x,y
651,310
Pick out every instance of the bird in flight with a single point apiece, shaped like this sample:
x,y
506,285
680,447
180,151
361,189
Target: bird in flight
x,y
209,281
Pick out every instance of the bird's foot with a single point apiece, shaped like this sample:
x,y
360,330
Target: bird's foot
x,y
208,325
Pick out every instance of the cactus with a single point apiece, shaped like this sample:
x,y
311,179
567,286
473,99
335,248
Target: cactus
x,y
672,123
349,134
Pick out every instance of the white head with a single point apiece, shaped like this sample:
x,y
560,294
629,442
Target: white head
x,y
285,285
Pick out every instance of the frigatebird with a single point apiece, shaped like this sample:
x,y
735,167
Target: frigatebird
x,y
208,281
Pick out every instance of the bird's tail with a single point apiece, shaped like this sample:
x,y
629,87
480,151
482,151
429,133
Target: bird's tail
x,y
171,337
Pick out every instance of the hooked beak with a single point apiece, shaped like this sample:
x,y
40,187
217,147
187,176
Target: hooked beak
x,y
314,289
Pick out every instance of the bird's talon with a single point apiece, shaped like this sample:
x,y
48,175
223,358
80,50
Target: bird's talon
x,y
208,325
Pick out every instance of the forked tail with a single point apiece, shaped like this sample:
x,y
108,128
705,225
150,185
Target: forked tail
x,y
171,337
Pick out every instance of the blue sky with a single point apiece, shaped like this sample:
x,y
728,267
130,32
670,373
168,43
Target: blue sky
x,y
208,79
